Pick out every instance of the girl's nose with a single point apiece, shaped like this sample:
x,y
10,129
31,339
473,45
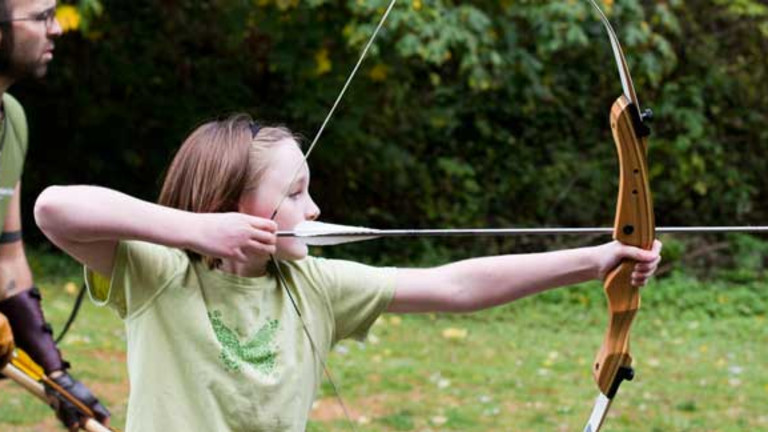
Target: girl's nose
x,y
314,211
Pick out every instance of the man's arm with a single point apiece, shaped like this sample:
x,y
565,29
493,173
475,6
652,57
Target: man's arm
x,y
19,299
20,303
15,275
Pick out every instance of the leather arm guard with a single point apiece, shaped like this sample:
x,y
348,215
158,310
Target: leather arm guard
x,y
30,331
68,413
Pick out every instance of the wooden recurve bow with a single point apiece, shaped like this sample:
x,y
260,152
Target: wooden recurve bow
x,y
634,225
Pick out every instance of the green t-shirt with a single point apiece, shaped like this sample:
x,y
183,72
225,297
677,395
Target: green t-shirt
x,y
212,351
14,134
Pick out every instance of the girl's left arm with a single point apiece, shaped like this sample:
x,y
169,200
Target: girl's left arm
x,y
481,283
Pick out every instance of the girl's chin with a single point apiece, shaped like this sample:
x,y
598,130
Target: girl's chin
x,y
293,252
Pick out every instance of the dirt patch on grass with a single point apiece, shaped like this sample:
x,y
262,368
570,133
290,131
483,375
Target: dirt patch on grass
x,y
108,356
370,407
329,409
48,425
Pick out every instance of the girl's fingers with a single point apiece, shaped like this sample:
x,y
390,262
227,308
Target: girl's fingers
x,y
646,268
263,224
264,237
646,273
241,256
639,279
261,248
646,256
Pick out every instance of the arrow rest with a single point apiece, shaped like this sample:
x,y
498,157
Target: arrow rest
x,y
646,115
638,120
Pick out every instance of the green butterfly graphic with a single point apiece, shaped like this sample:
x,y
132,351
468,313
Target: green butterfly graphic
x,y
259,351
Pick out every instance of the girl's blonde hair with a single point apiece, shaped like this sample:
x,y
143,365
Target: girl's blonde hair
x,y
217,163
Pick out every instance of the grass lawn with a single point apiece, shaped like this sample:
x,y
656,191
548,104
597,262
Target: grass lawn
x,y
523,367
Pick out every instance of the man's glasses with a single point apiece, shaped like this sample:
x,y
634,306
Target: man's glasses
x,y
48,17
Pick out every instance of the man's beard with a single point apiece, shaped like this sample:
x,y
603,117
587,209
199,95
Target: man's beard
x,y
13,68
19,71
6,48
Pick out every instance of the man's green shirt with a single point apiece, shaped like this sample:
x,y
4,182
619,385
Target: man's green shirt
x,y
15,137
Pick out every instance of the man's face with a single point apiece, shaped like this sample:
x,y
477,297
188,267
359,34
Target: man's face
x,y
31,35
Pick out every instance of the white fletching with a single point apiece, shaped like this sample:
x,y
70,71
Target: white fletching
x,y
327,234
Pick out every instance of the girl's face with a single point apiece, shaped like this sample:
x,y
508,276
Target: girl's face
x,y
278,186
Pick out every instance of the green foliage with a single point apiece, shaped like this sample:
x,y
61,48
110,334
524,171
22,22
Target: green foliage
x,y
90,9
684,297
464,113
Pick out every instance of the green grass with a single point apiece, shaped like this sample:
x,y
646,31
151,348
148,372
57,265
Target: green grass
x,y
699,350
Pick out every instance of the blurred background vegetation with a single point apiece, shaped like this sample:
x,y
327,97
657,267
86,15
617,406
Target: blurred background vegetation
x,y
466,114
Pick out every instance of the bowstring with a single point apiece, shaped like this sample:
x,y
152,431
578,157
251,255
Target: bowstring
x,y
280,276
334,106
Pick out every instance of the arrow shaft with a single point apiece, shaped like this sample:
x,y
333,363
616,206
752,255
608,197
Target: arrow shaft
x,y
504,232
37,389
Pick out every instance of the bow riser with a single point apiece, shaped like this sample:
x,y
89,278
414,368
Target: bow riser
x,y
634,225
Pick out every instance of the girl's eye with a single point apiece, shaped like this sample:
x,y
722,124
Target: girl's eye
x,y
295,194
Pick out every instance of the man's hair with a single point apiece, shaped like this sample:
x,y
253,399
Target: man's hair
x,y
5,10
217,163
6,30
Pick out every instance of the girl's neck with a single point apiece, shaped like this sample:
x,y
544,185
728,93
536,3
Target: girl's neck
x,y
253,268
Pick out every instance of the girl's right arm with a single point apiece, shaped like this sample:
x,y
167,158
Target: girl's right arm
x,y
88,222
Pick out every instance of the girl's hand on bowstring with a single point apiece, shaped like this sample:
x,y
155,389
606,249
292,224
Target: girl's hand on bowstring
x,y
609,256
234,236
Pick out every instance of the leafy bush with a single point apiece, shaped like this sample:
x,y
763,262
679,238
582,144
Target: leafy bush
x,y
464,114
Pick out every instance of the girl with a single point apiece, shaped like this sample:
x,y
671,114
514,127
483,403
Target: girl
x,y
214,326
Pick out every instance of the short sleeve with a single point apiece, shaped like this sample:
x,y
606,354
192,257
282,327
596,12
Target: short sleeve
x,y
18,122
358,295
140,272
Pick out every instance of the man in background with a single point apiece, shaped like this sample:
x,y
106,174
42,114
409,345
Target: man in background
x,y
27,31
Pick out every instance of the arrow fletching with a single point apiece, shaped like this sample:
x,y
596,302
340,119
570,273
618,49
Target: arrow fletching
x,y
326,234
